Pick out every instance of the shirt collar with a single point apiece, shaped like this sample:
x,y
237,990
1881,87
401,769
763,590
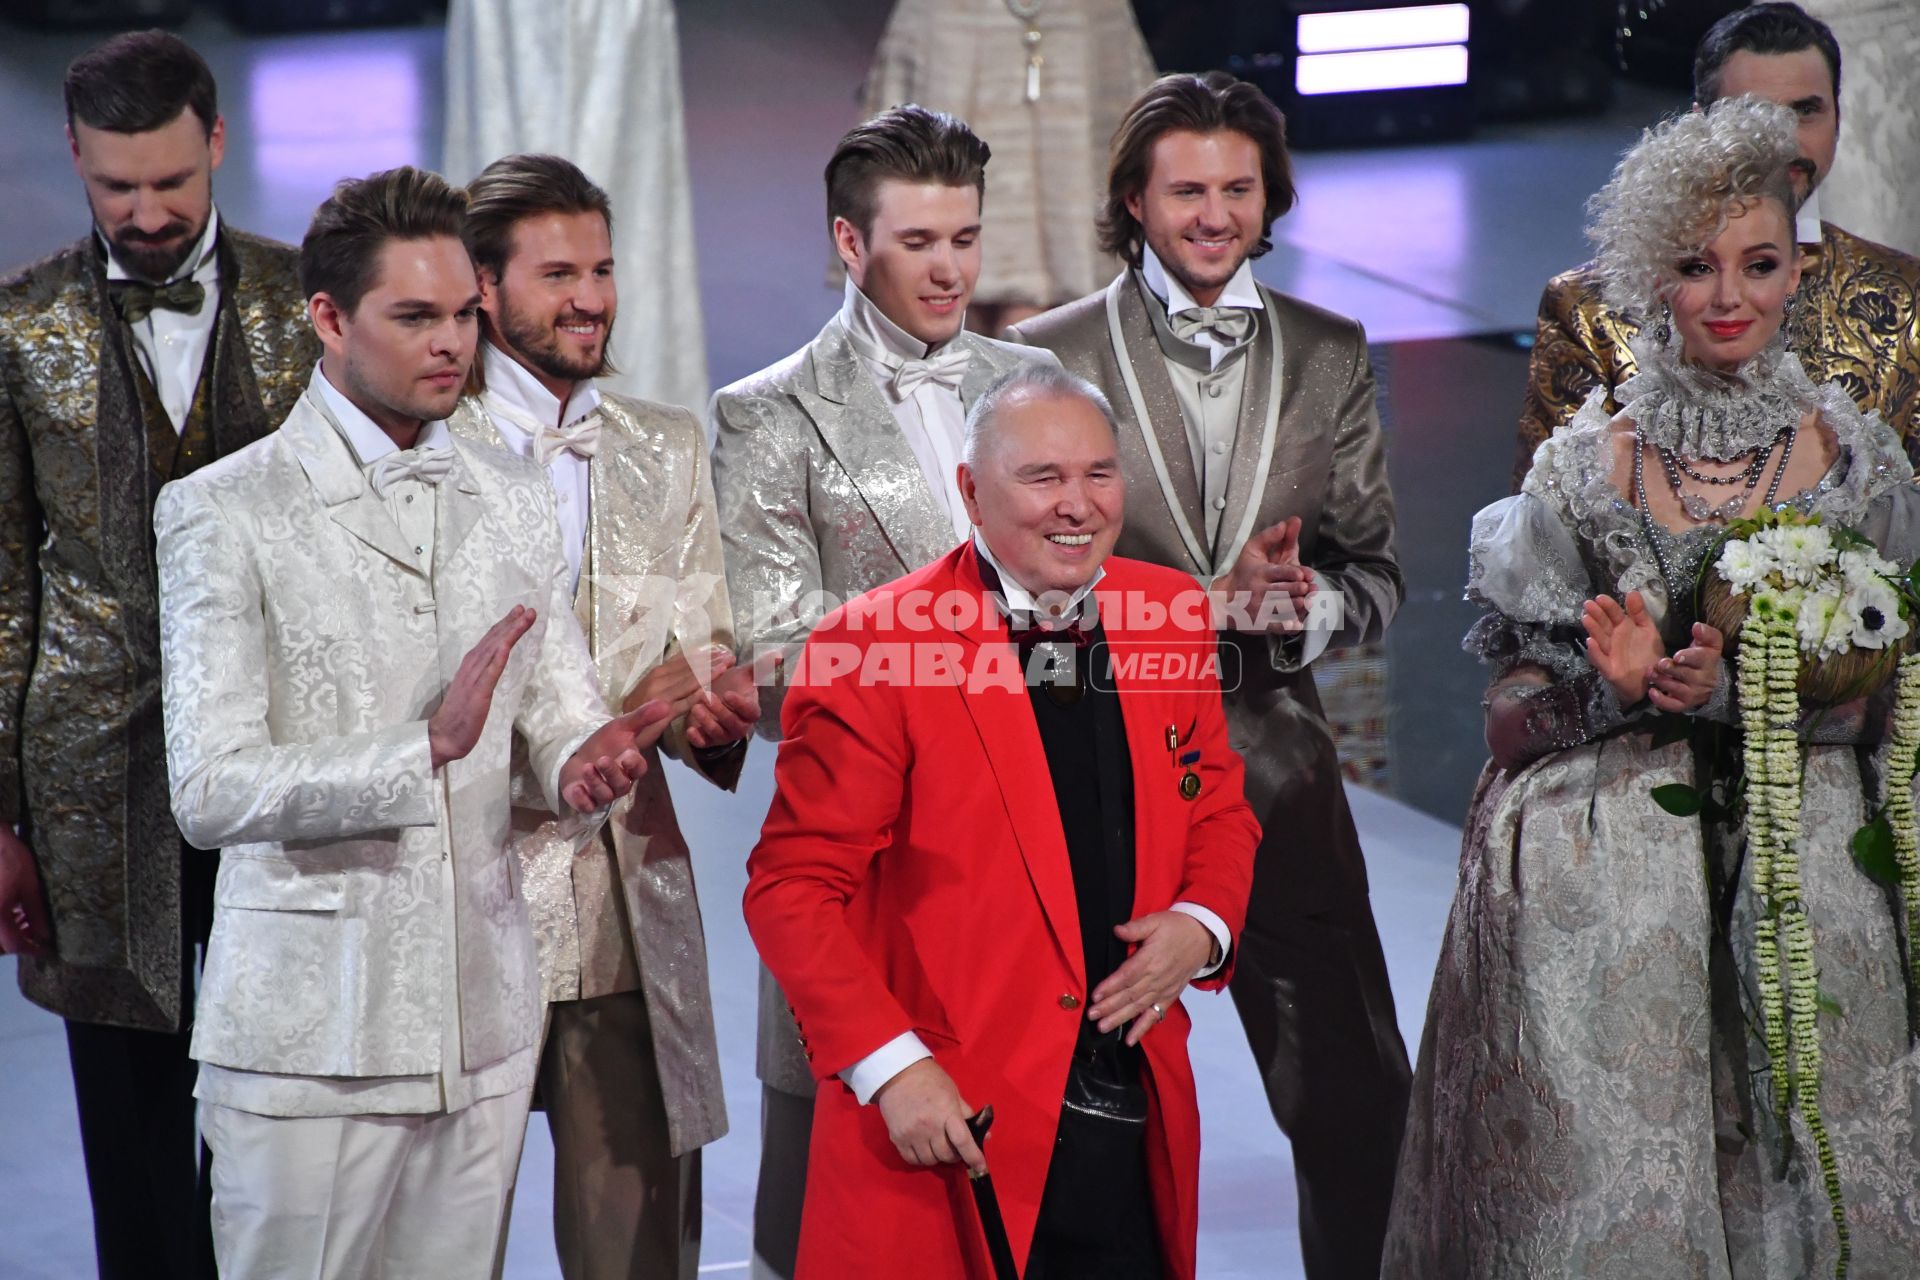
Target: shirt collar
x,y
1807,221
368,442
201,262
528,403
1019,600
1240,291
870,330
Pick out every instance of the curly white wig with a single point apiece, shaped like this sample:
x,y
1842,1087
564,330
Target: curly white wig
x,y
1674,191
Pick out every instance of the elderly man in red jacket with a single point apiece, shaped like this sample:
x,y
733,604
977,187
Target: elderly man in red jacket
x,y
1008,833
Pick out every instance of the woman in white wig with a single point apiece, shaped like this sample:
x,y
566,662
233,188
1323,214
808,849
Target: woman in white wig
x,y
1596,1093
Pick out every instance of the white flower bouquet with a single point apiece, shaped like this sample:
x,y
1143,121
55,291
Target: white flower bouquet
x,y
1822,619
1851,608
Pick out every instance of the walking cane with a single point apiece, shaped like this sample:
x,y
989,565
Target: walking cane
x,y
984,1199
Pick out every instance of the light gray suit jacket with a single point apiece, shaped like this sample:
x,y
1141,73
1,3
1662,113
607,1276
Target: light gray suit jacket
x,y
1308,445
302,651
820,493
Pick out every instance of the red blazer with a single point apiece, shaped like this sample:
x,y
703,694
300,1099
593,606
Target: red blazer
x,y
913,876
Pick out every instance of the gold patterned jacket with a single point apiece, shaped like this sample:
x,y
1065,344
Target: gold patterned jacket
x,y
652,583
1857,322
82,763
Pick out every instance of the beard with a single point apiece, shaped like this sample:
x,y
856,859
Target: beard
x,y
537,341
155,257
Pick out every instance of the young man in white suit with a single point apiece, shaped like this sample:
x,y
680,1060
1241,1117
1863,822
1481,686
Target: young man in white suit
x,y
359,616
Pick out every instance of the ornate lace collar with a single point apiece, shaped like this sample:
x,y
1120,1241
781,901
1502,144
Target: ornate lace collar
x,y
1702,413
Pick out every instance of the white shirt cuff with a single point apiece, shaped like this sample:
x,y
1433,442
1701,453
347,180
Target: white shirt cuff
x,y
1215,926
1325,611
867,1075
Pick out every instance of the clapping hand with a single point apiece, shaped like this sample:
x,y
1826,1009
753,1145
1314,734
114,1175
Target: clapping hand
x,y
1623,644
727,712
609,762
1685,682
1268,565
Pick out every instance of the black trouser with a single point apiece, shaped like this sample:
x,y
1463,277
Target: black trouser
x,y
1313,997
147,1172
786,1131
1096,1213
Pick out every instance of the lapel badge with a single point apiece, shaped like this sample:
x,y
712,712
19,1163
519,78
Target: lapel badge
x,y
1189,785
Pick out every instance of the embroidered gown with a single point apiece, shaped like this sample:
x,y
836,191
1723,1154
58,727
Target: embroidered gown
x,y
1592,1096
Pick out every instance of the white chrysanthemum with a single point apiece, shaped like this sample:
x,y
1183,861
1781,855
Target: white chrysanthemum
x,y
1744,564
1802,551
1863,567
1819,634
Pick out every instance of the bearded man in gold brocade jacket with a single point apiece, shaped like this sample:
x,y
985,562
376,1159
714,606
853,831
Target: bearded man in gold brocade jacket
x,y
1857,315
162,340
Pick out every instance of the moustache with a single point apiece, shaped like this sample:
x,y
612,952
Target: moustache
x,y
133,235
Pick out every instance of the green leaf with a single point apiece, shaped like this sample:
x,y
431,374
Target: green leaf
x,y
1829,1006
1873,852
1913,576
1682,801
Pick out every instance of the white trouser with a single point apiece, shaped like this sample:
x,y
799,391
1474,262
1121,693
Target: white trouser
x,y
380,1197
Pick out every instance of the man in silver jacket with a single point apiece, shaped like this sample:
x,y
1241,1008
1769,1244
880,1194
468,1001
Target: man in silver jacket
x,y
836,472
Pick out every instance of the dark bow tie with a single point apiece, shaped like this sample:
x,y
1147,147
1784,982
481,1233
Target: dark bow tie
x,y
136,300
1073,633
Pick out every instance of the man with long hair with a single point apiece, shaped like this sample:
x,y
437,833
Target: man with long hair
x,y
1254,456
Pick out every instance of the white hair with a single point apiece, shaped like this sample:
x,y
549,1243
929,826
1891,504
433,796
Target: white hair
x,y
1043,380
1675,190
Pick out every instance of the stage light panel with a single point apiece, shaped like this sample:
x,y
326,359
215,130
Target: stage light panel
x,y
1376,70
1359,29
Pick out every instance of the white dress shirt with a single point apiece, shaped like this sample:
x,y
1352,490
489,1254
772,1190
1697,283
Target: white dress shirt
x,y
1210,405
455,1086
1806,228
520,406
932,418
867,1075
171,344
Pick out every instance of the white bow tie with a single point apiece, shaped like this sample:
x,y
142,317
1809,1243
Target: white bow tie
x,y
428,466
944,370
583,438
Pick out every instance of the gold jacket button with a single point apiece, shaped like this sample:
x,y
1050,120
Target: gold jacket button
x,y
1069,1001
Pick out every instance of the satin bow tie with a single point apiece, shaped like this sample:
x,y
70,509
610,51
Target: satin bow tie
x,y
1232,324
1073,633
136,300
428,466
583,438
944,370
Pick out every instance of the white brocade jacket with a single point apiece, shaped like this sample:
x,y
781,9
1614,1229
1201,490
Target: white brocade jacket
x,y
302,649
